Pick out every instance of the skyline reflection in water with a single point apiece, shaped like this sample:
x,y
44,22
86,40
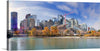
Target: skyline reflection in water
x,y
52,43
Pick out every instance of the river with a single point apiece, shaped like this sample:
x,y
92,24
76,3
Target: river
x,y
26,43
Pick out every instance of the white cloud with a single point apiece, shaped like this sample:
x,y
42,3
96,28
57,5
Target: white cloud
x,y
64,7
50,2
67,8
90,12
73,4
97,25
93,14
94,18
85,17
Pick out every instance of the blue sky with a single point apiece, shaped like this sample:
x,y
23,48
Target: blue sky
x,y
88,13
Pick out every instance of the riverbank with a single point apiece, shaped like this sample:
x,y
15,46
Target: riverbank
x,y
59,37
74,37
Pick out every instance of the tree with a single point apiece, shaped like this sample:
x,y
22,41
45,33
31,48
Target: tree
x,y
93,33
26,32
33,32
98,30
46,31
54,30
17,32
87,35
78,32
89,32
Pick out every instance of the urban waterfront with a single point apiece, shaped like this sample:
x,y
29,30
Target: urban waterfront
x,y
33,43
39,25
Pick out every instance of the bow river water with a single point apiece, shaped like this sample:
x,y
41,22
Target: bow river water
x,y
26,43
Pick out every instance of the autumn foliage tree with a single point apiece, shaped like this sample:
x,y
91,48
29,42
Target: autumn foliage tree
x,y
93,33
79,33
17,32
89,32
33,32
46,31
98,30
54,30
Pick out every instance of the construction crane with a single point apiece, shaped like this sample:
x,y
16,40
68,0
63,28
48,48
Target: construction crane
x,y
65,17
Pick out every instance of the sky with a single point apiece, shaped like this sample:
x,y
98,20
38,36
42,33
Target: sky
x,y
84,12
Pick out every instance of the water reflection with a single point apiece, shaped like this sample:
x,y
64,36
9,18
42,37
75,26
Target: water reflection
x,y
52,43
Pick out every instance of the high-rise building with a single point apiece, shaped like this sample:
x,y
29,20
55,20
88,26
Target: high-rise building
x,y
76,23
41,25
35,18
28,15
49,23
54,20
72,22
83,27
13,21
44,22
60,19
92,29
68,23
24,24
38,21
30,22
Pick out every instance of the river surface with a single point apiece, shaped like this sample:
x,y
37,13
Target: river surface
x,y
26,43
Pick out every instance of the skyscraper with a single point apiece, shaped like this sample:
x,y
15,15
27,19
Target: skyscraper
x,y
38,21
54,19
13,21
91,29
72,22
30,21
24,24
76,22
60,19
84,27
49,23
28,16
35,18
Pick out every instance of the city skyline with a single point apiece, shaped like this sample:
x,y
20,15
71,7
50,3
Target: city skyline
x,y
89,12
41,25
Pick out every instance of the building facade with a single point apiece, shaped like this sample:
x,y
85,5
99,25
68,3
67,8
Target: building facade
x,y
83,27
28,23
14,21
